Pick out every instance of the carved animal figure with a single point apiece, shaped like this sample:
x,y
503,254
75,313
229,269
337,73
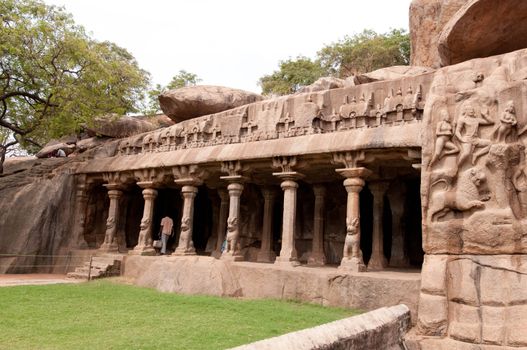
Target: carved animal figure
x,y
462,198
352,242
232,235
185,240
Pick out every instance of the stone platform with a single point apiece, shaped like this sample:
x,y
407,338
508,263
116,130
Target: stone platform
x,y
321,285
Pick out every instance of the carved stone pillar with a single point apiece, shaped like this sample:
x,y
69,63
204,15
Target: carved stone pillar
x,y
186,245
144,241
398,256
81,206
266,254
110,241
232,250
222,221
352,257
188,176
289,185
317,256
378,260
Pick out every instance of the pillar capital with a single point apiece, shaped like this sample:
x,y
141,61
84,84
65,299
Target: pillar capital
x,y
289,176
223,194
269,193
113,192
149,193
378,188
189,190
188,175
235,189
319,190
147,178
359,172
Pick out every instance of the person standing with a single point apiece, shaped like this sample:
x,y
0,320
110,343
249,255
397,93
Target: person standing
x,y
167,229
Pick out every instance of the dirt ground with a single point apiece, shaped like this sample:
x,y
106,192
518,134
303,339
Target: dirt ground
x,y
7,280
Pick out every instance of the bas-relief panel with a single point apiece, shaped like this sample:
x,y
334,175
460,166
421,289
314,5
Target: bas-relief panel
x,y
374,105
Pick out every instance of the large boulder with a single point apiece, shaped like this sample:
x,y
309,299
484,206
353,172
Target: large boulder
x,y
195,101
445,32
484,28
390,73
124,126
427,19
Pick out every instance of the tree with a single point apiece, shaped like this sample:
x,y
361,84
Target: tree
x,y
182,79
361,53
291,76
365,52
55,78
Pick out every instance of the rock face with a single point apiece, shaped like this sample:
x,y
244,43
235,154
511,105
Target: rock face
x,y
474,198
445,32
195,101
427,20
206,275
41,223
484,28
125,126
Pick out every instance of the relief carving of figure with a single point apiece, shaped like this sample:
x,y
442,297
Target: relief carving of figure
x,y
519,181
444,133
232,235
464,197
467,132
352,242
508,123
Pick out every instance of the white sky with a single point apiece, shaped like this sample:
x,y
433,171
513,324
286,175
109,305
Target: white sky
x,y
229,42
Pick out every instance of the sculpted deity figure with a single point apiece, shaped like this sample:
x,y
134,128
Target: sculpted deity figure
x,y
352,242
519,181
444,133
467,132
508,123
232,235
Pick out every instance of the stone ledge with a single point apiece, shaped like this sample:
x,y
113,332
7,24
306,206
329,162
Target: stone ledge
x,y
380,329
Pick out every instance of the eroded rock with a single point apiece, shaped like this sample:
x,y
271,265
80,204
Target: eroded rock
x,y
195,101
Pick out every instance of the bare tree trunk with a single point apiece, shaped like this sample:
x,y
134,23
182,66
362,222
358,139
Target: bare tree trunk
x,y
3,151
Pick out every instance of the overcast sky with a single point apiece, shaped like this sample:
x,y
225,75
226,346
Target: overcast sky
x,y
230,42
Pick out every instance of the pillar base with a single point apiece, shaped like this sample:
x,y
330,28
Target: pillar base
x,y
399,262
216,254
266,256
286,262
113,247
184,252
232,257
377,264
144,250
316,260
352,265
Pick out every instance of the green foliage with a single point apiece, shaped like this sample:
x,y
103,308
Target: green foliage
x,y
365,52
361,53
182,79
54,77
102,315
291,76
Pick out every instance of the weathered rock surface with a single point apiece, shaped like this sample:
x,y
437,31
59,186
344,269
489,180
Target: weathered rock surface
x,y
427,20
326,83
125,126
483,28
445,32
483,297
35,213
206,275
391,73
381,329
53,146
195,101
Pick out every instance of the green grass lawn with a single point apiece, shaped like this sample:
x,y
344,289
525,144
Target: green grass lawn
x,y
105,315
